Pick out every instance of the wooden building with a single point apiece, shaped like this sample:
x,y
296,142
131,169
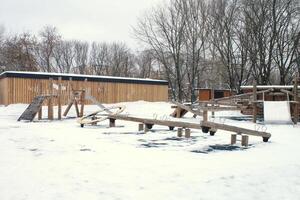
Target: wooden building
x,y
208,94
22,87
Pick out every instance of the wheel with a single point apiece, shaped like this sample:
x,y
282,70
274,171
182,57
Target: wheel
x,y
171,128
212,133
265,139
205,129
149,126
81,125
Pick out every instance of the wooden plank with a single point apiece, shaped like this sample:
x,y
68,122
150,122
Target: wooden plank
x,y
212,125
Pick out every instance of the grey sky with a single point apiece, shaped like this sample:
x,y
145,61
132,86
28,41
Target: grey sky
x,y
91,20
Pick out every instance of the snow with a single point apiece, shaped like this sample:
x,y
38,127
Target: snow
x,y
281,114
82,76
269,86
58,160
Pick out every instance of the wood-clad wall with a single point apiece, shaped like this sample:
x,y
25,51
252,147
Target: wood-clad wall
x,y
23,90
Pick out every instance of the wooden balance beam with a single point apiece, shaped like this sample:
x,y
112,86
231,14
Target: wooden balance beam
x,y
205,126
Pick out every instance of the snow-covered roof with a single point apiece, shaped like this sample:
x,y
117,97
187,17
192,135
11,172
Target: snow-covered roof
x,y
80,77
269,87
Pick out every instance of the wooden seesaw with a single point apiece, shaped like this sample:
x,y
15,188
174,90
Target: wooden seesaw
x,y
205,126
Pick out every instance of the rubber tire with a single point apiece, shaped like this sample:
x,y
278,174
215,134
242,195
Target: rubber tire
x,y
265,139
171,128
149,126
212,133
205,129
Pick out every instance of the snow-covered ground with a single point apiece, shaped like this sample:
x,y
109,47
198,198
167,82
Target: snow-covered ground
x,y
59,160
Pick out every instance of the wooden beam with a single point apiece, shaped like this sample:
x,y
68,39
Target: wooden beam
x,y
211,125
50,100
242,95
59,98
296,106
40,90
254,104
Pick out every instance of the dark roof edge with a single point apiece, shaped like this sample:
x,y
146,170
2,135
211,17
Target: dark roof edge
x,y
75,77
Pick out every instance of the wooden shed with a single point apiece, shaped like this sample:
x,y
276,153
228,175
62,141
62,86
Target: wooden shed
x,y
22,87
206,94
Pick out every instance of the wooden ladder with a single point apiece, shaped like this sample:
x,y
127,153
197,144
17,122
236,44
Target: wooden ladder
x,y
33,108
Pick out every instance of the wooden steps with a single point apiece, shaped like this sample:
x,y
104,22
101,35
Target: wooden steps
x,y
33,108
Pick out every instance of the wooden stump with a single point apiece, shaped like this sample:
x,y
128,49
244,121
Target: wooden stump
x,y
141,127
187,133
245,140
233,139
112,122
179,132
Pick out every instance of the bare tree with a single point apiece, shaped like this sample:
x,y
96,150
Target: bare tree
x,y
163,31
18,53
64,54
81,56
49,39
99,58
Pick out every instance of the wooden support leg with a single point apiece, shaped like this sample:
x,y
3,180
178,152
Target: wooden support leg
x,y
50,109
82,101
146,128
68,108
76,108
245,140
254,102
40,113
112,122
141,127
94,123
205,115
233,139
59,99
179,132
187,133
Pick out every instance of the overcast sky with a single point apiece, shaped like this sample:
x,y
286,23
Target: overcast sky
x,y
91,20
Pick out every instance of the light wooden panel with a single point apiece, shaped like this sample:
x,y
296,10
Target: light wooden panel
x,y
22,90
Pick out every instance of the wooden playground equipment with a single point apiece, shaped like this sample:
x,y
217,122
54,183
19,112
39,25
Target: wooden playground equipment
x,y
77,97
146,124
249,103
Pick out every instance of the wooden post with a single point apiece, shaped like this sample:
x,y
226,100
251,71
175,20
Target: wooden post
x,y
112,122
50,100
40,113
76,108
145,128
212,100
254,102
296,106
59,99
187,133
205,113
245,140
141,127
233,139
82,101
178,112
179,132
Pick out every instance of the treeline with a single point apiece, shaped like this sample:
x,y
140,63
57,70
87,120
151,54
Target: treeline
x,y
49,52
223,43
191,43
